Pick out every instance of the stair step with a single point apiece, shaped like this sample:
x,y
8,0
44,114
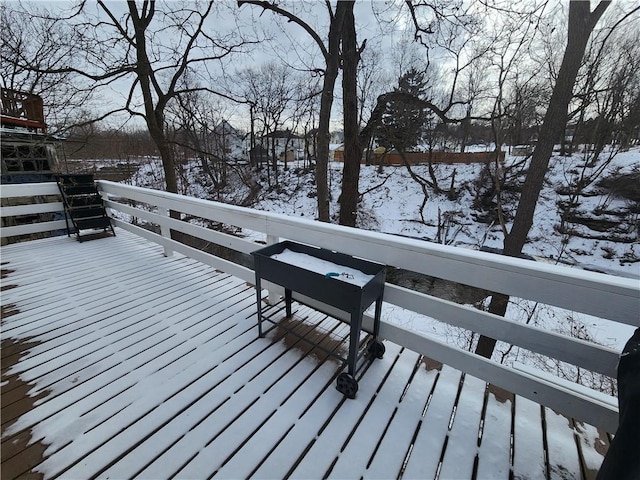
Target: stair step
x,y
87,212
84,201
95,222
71,190
76,179
83,204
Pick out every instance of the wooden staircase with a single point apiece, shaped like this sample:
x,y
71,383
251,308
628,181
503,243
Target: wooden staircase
x,y
83,206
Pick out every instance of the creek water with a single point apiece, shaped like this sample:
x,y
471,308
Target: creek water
x,y
437,287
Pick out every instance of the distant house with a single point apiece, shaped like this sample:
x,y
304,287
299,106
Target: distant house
x,y
227,140
282,141
336,136
336,152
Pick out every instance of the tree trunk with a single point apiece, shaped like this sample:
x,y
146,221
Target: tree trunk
x,y
581,24
326,101
352,148
274,157
252,139
154,111
166,154
497,306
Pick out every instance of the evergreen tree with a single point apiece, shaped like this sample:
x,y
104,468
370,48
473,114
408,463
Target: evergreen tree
x,y
405,116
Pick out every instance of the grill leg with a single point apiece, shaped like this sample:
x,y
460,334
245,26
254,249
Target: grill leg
x,y
259,304
354,340
287,300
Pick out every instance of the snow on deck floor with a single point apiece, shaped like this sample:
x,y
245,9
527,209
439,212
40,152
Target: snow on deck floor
x,y
118,362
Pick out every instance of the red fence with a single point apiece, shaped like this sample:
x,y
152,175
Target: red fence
x,y
416,158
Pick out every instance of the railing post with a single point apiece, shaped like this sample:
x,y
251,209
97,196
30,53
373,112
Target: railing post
x,y
166,231
272,298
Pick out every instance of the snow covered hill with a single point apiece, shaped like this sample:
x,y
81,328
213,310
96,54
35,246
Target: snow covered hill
x,y
601,232
393,203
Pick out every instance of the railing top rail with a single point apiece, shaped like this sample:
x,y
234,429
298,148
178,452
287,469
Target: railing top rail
x,y
28,189
384,239
607,296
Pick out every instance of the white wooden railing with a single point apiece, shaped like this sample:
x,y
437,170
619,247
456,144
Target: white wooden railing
x,y
25,196
609,297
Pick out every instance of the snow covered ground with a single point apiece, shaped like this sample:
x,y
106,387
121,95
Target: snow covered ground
x,y
392,203
394,207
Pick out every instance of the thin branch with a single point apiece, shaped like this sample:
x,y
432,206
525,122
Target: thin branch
x,y
375,187
419,30
292,18
187,50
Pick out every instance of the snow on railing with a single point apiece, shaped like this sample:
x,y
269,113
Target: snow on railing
x,y
604,296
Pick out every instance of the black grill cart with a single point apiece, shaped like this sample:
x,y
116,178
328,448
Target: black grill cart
x,y
342,281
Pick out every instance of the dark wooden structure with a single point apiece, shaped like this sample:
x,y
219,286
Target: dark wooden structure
x,y
22,109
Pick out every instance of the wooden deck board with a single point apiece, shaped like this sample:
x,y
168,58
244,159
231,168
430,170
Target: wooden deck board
x,y
593,444
459,457
262,447
432,437
529,449
397,442
494,452
127,347
220,405
325,448
120,362
81,336
371,428
160,391
563,455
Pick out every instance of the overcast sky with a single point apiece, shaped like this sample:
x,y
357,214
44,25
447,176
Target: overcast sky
x,y
381,23
385,25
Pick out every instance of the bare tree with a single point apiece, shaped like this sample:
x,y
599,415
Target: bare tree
x,y
196,121
511,40
331,55
581,22
524,102
604,95
304,114
474,90
149,46
270,90
452,29
352,146
372,81
33,45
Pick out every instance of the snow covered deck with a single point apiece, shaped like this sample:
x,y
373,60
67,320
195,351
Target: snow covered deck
x,y
119,362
